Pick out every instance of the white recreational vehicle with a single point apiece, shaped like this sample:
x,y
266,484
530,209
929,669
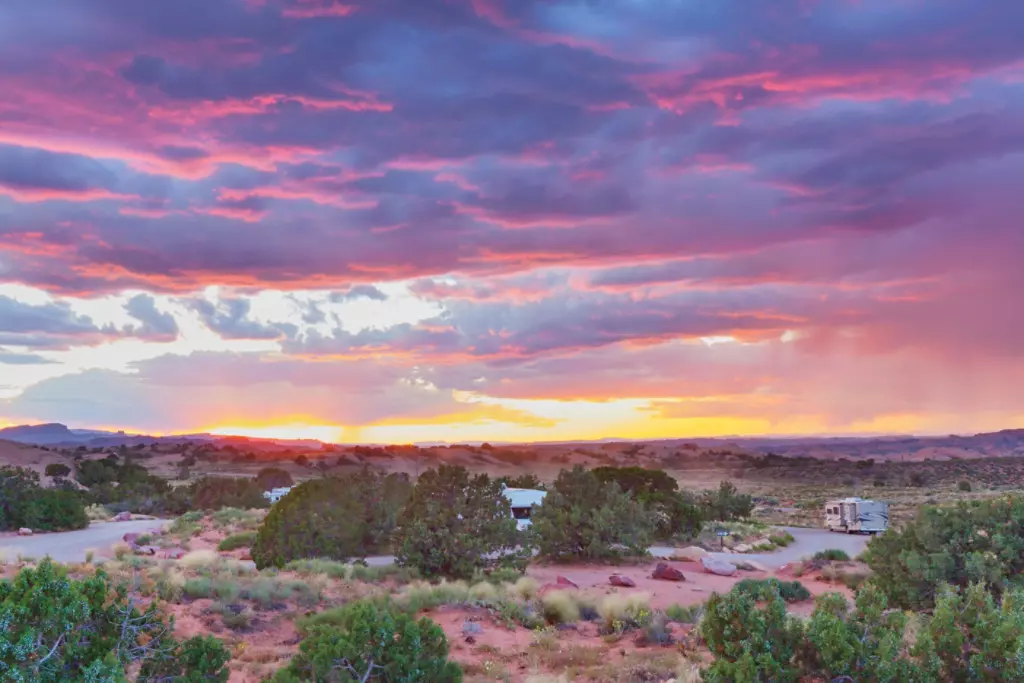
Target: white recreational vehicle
x,y
522,501
274,495
856,515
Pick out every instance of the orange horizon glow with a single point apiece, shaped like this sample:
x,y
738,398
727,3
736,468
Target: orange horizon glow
x,y
288,431
617,422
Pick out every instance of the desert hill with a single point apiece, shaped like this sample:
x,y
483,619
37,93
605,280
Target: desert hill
x,y
30,457
241,455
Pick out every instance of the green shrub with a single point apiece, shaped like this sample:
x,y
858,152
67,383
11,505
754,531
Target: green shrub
x,y
676,514
959,544
57,470
790,591
186,523
213,493
523,481
970,637
273,477
863,644
23,503
50,510
832,555
236,541
226,590
963,485
727,504
57,628
583,518
685,615
454,522
498,576
368,641
853,580
200,587
319,565
782,539
235,516
387,572
750,644
335,518
200,659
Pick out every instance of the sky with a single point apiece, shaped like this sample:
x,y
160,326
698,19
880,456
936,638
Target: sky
x,y
512,220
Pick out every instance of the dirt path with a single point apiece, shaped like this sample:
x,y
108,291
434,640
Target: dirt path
x,y
70,546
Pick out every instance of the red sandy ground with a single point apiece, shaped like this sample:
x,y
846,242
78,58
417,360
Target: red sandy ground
x,y
273,638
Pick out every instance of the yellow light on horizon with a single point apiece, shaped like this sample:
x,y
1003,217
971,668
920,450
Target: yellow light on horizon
x,y
289,431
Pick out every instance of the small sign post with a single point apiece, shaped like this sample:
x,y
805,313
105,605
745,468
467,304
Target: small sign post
x,y
722,533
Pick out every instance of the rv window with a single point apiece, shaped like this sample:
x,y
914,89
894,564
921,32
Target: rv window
x,y
521,513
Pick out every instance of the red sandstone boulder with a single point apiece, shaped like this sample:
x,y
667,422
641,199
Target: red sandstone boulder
x,y
666,572
621,581
565,583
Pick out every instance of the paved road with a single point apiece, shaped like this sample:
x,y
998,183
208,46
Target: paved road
x,y
806,543
70,546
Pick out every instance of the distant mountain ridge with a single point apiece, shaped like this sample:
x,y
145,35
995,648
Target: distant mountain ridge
x,y
57,434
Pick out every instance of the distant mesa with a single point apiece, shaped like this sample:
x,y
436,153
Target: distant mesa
x,y
44,434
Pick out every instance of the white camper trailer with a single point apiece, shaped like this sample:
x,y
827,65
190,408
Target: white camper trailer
x,y
856,515
274,495
522,501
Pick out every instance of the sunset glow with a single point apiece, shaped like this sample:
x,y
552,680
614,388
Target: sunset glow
x,y
457,220
325,433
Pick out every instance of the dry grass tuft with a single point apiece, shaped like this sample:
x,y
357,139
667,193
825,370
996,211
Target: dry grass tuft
x,y
621,612
199,559
525,588
484,592
560,607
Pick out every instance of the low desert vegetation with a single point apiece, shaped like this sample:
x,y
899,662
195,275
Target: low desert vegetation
x,y
832,555
957,545
58,628
970,636
274,477
24,503
461,563
338,518
790,591
585,518
677,514
456,524
370,641
236,541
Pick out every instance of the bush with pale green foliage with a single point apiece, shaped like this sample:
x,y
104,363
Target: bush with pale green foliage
x,y
727,503
790,591
970,637
337,518
367,641
236,541
583,518
832,555
56,628
968,542
456,524
24,503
